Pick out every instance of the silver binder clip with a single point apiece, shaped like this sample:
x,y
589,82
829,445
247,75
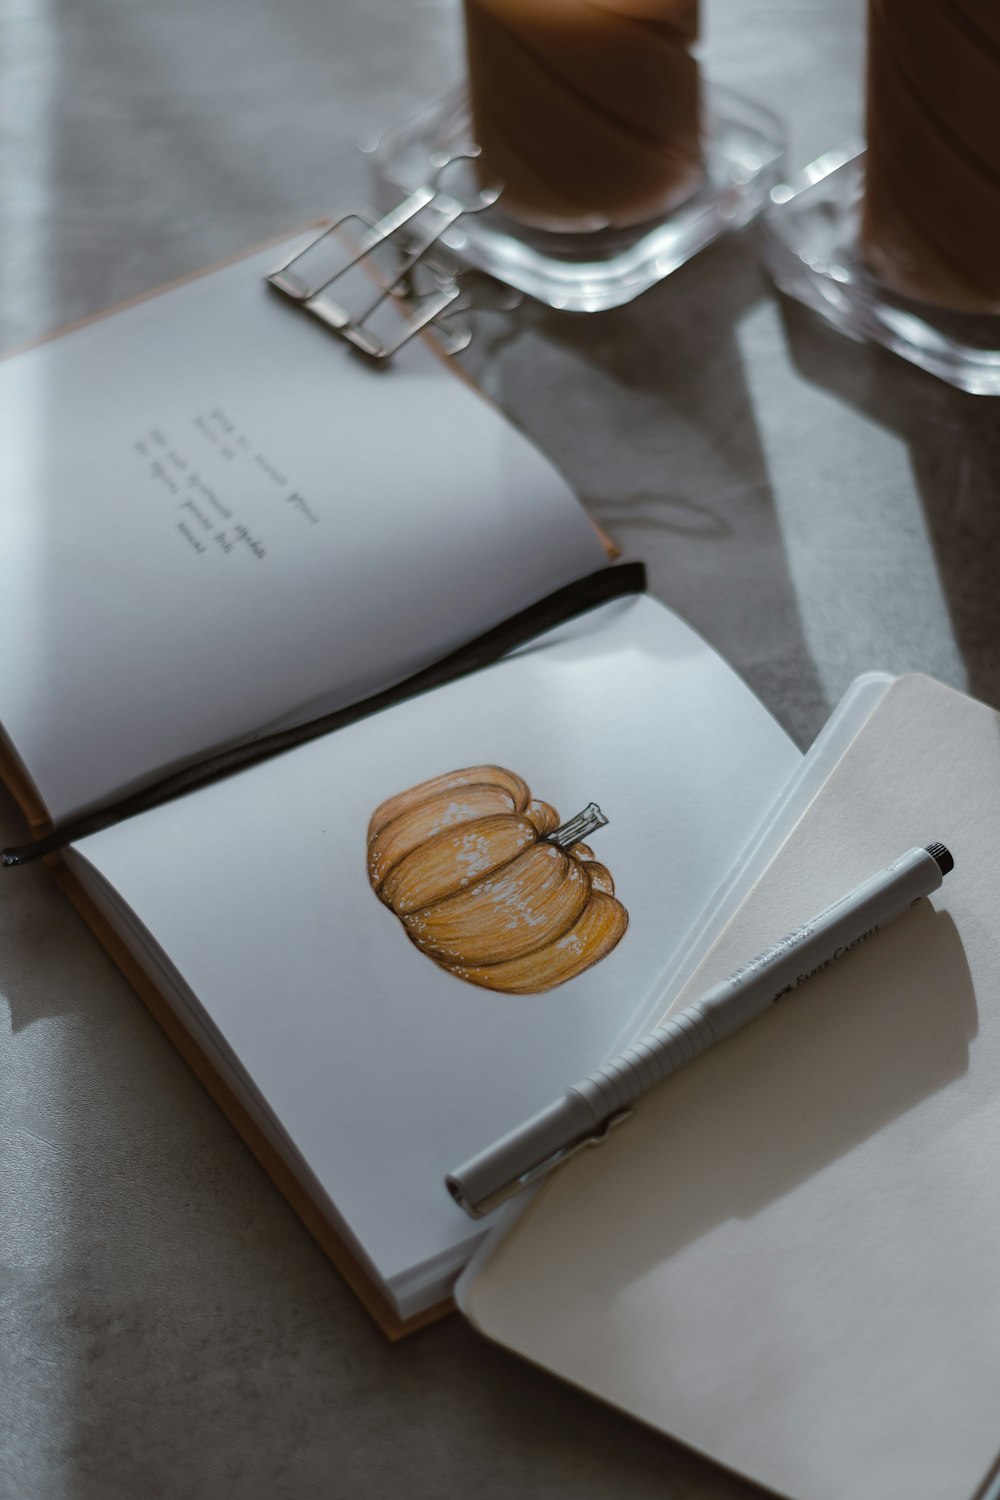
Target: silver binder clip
x,y
361,270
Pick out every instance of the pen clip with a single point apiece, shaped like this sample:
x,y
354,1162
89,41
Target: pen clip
x,y
541,1169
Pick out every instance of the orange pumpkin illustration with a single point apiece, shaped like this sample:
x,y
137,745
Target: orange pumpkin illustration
x,y
488,884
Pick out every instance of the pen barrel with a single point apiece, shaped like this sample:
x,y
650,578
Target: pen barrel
x,y
616,1085
809,950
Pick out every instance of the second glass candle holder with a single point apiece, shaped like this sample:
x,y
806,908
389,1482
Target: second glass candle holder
x,y
812,247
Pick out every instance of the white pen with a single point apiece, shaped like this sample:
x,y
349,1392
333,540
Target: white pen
x,y
589,1109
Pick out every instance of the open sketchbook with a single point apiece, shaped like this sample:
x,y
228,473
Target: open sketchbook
x,y
376,1044
384,947
788,1258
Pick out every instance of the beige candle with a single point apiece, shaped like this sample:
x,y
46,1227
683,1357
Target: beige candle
x,y
931,221
586,110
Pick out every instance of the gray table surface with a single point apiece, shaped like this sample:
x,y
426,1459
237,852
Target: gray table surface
x,y
813,507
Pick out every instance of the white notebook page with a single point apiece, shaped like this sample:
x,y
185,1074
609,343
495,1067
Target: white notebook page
x,y
384,1070
215,518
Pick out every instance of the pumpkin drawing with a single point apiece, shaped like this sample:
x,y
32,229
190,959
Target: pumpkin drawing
x,y
488,884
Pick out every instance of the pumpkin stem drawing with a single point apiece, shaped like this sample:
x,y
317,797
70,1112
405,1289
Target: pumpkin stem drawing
x,y
490,885
581,827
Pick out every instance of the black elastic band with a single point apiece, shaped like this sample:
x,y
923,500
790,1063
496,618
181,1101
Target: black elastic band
x,y
575,599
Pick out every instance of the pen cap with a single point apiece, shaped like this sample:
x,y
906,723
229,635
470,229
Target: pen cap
x,y
484,1179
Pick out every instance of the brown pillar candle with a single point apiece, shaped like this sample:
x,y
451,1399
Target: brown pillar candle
x,y
586,110
931,218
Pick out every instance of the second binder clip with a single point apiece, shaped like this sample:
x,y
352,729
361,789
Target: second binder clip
x,y
377,282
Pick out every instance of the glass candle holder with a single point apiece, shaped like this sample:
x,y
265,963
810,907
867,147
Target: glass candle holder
x,y
930,223
590,269
588,111
900,243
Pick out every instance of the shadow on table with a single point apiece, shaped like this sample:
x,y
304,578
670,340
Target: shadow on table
x,y
954,444
36,924
646,409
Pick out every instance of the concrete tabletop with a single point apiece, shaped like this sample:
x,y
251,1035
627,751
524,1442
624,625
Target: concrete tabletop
x,y
813,507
